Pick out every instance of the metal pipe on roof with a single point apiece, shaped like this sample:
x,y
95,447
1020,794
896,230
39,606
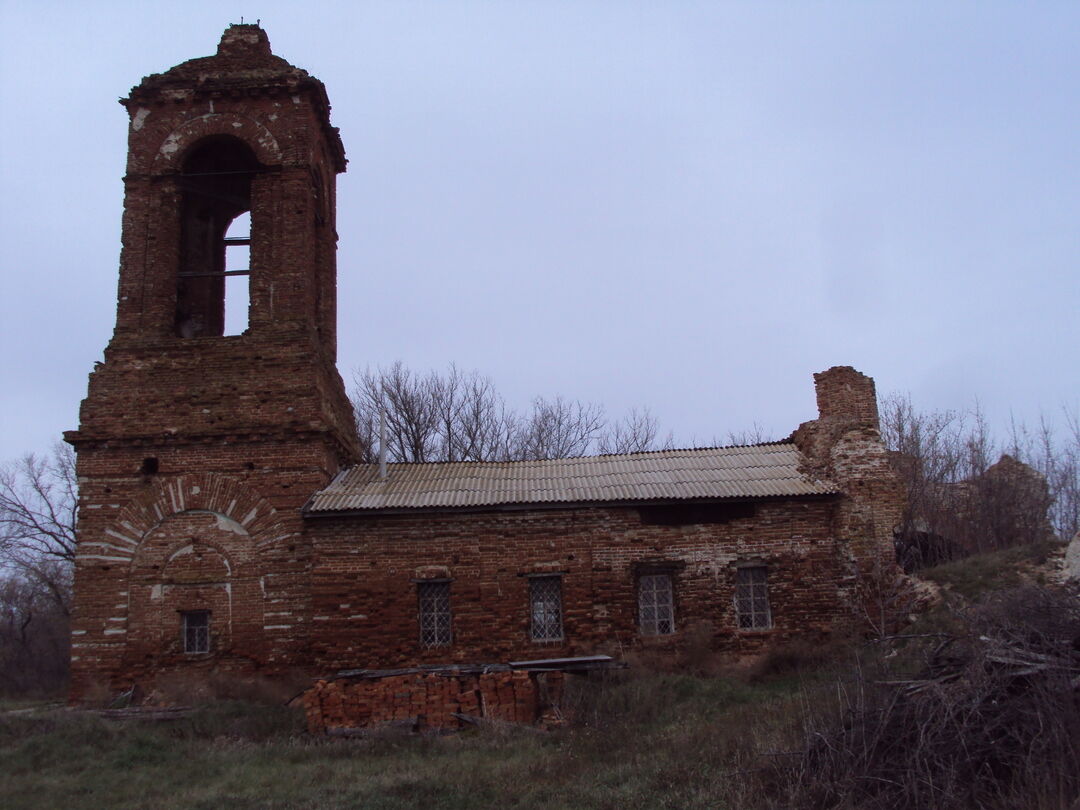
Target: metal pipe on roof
x,y
382,444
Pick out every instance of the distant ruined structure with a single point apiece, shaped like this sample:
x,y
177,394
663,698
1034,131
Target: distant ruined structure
x,y
1006,505
226,529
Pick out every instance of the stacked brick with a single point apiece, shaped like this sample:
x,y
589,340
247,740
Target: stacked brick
x,y
434,699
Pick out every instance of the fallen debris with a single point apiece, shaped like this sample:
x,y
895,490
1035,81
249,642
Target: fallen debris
x,y
524,693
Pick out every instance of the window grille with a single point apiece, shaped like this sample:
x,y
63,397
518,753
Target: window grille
x,y
752,598
656,605
196,631
434,613
545,603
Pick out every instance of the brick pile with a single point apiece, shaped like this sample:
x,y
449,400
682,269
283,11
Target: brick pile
x,y
447,698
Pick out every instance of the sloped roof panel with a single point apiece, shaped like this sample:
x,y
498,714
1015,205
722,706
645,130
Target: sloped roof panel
x,y
756,471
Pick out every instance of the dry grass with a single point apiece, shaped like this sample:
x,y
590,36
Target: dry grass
x,y
986,715
981,574
645,740
810,726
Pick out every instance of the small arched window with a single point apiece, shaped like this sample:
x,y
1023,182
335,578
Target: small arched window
x,y
212,289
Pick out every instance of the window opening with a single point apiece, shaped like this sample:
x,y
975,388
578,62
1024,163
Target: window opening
x,y
690,513
195,631
656,605
237,274
752,598
545,603
215,184
434,613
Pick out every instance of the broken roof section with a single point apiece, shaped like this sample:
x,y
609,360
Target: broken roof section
x,y
715,473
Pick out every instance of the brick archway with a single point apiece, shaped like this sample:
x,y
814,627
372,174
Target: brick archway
x,y
204,492
169,155
194,543
194,562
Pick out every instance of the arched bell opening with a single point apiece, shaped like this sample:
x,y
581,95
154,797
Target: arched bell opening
x,y
212,296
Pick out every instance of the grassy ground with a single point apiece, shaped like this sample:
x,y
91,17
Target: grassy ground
x,y
648,741
642,740
973,577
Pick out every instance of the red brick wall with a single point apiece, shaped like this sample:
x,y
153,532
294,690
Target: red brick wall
x,y
364,593
240,429
844,394
844,446
131,584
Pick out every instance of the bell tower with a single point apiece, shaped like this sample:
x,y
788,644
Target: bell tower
x,y
218,408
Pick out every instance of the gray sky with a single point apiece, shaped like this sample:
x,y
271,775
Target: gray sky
x,y
685,206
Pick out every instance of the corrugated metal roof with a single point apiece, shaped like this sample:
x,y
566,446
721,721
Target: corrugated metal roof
x,y
756,471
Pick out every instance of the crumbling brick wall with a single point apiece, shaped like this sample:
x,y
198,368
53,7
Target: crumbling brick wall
x,y
844,446
366,573
180,435
444,699
139,540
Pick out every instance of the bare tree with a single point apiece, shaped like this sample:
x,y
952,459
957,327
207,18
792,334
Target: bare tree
x,y
1065,479
926,451
478,426
959,499
38,501
755,434
634,433
558,428
406,402
1056,456
460,416
455,416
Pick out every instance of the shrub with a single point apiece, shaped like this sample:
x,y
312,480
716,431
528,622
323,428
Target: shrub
x,y
992,721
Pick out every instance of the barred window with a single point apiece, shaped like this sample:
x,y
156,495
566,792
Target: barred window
x,y
656,605
752,598
195,631
545,605
434,613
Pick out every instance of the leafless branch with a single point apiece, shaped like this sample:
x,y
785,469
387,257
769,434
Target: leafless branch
x,y
460,416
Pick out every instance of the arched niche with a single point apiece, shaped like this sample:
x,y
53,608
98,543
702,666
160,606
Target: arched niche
x,y
222,518
194,562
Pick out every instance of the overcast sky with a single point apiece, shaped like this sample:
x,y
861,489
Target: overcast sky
x,y
685,206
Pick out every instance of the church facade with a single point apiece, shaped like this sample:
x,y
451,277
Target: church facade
x,y
226,528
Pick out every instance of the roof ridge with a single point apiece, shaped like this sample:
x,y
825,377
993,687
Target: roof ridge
x,y
579,458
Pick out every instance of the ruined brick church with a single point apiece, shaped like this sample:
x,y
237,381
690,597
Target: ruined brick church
x,y
225,525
